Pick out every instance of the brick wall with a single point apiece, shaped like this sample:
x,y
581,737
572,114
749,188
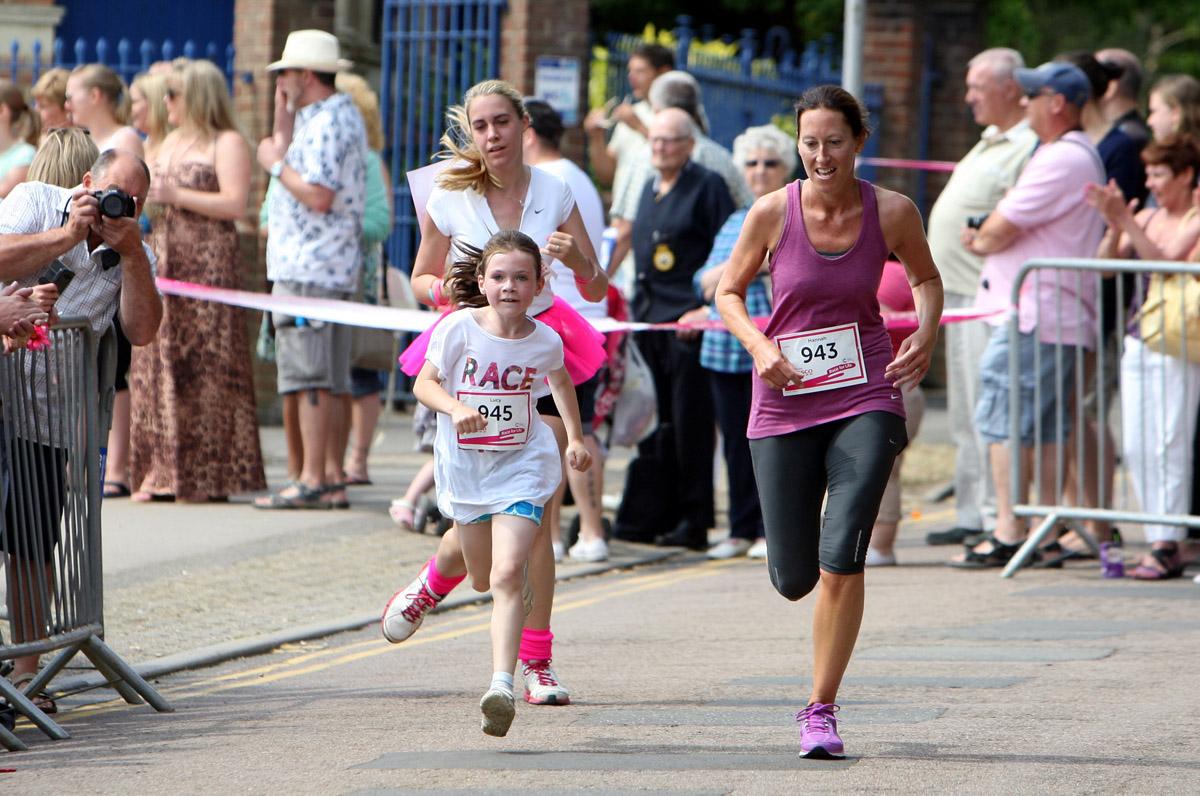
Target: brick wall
x,y
894,56
546,27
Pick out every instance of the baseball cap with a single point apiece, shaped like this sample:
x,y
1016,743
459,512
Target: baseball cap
x,y
1061,78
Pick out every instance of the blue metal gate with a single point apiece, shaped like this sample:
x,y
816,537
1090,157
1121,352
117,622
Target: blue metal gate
x,y
753,87
433,51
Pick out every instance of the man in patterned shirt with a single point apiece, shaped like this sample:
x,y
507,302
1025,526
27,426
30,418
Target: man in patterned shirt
x,y
313,247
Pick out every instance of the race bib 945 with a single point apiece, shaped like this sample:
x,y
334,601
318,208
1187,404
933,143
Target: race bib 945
x,y
508,415
828,359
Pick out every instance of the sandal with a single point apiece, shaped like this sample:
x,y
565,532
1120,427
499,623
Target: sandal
x,y
115,489
328,489
998,556
41,700
403,513
1167,559
358,480
305,497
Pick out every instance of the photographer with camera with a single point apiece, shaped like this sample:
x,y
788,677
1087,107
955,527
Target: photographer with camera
x,y
93,231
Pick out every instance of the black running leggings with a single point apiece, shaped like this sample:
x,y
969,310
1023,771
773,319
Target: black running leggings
x,y
852,458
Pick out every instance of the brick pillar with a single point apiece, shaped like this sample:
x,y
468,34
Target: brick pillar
x,y
546,27
894,57
260,30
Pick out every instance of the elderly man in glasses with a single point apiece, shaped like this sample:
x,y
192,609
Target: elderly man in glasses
x,y
669,487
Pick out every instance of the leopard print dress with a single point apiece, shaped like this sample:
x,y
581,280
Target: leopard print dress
x,y
194,424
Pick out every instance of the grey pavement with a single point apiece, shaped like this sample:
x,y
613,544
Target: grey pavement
x,y
685,676
684,673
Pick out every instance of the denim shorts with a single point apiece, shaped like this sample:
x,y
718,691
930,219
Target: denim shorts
x,y
1041,379
522,508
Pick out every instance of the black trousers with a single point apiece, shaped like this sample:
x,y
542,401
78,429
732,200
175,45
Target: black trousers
x,y
731,399
671,479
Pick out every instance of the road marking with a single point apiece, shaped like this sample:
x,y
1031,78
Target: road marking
x,y
309,663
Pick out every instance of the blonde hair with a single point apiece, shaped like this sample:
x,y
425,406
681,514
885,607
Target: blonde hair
x,y
66,154
206,98
367,103
470,170
22,119
109,84
154,89
52,87
1181,92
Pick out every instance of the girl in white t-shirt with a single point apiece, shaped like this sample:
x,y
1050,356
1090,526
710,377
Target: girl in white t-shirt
x,y
496,462
486,188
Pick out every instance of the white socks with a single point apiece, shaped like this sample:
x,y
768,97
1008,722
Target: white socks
x,y
502,681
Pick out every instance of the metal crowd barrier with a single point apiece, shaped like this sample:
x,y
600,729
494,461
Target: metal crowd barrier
x,y
50,524
1148,427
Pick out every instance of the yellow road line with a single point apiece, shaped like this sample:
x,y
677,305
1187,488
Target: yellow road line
x,y
367,649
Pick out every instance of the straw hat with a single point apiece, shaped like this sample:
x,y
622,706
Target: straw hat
x,y
315,50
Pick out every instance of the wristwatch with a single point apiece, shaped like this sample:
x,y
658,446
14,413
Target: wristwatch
x,y
276,170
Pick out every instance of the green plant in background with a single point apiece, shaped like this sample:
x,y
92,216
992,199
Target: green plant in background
x,y
1165,34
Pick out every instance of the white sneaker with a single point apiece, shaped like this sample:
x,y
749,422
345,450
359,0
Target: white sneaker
x,y
498,709
758,549
878,559
589,551
732,547
407,608
541,684
1196,579
559,552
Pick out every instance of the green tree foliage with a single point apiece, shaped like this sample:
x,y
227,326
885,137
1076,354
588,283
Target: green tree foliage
x,y
1165,34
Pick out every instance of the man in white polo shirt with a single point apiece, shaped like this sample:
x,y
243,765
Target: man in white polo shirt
x,y
978,183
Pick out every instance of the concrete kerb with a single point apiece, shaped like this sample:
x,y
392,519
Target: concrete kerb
x,y
258,645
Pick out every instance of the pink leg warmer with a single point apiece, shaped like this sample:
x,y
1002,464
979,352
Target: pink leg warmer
x,y
438,582
536,645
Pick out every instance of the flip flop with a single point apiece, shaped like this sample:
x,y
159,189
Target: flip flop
x,y
354,480
115,489
305,498
146,496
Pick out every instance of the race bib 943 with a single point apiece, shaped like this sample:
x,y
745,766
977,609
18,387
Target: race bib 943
x,y
828,359
508,415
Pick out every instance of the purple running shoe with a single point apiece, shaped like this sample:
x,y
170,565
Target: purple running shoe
x,y
819,739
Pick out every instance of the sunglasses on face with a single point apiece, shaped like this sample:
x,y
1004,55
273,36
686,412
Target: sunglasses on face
x,y
766,164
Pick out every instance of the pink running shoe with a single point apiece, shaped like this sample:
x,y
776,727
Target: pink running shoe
x,y
819,739
541,684
407,608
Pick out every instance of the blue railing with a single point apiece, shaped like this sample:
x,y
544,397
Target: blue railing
x,y
433,51
125,57
760,83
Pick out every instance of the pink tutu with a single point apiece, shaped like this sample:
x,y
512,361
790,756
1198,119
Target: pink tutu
x,y
583,346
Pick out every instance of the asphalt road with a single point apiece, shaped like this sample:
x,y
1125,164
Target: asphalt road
x,y
685,676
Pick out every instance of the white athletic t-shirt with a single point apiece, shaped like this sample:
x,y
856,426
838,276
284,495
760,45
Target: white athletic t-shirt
x,y
465,216
516,458
591,209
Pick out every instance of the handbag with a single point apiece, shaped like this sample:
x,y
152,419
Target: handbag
x,y
1170,316
635,411
373,349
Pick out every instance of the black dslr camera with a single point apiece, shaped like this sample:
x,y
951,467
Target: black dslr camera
x,y
115,203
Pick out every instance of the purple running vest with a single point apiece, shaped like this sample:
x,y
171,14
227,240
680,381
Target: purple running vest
x,y
810,291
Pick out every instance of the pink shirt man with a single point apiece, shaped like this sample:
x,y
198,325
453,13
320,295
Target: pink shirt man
x,y
1047,205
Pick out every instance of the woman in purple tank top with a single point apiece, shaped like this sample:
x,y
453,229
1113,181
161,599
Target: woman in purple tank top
x,y
827,417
